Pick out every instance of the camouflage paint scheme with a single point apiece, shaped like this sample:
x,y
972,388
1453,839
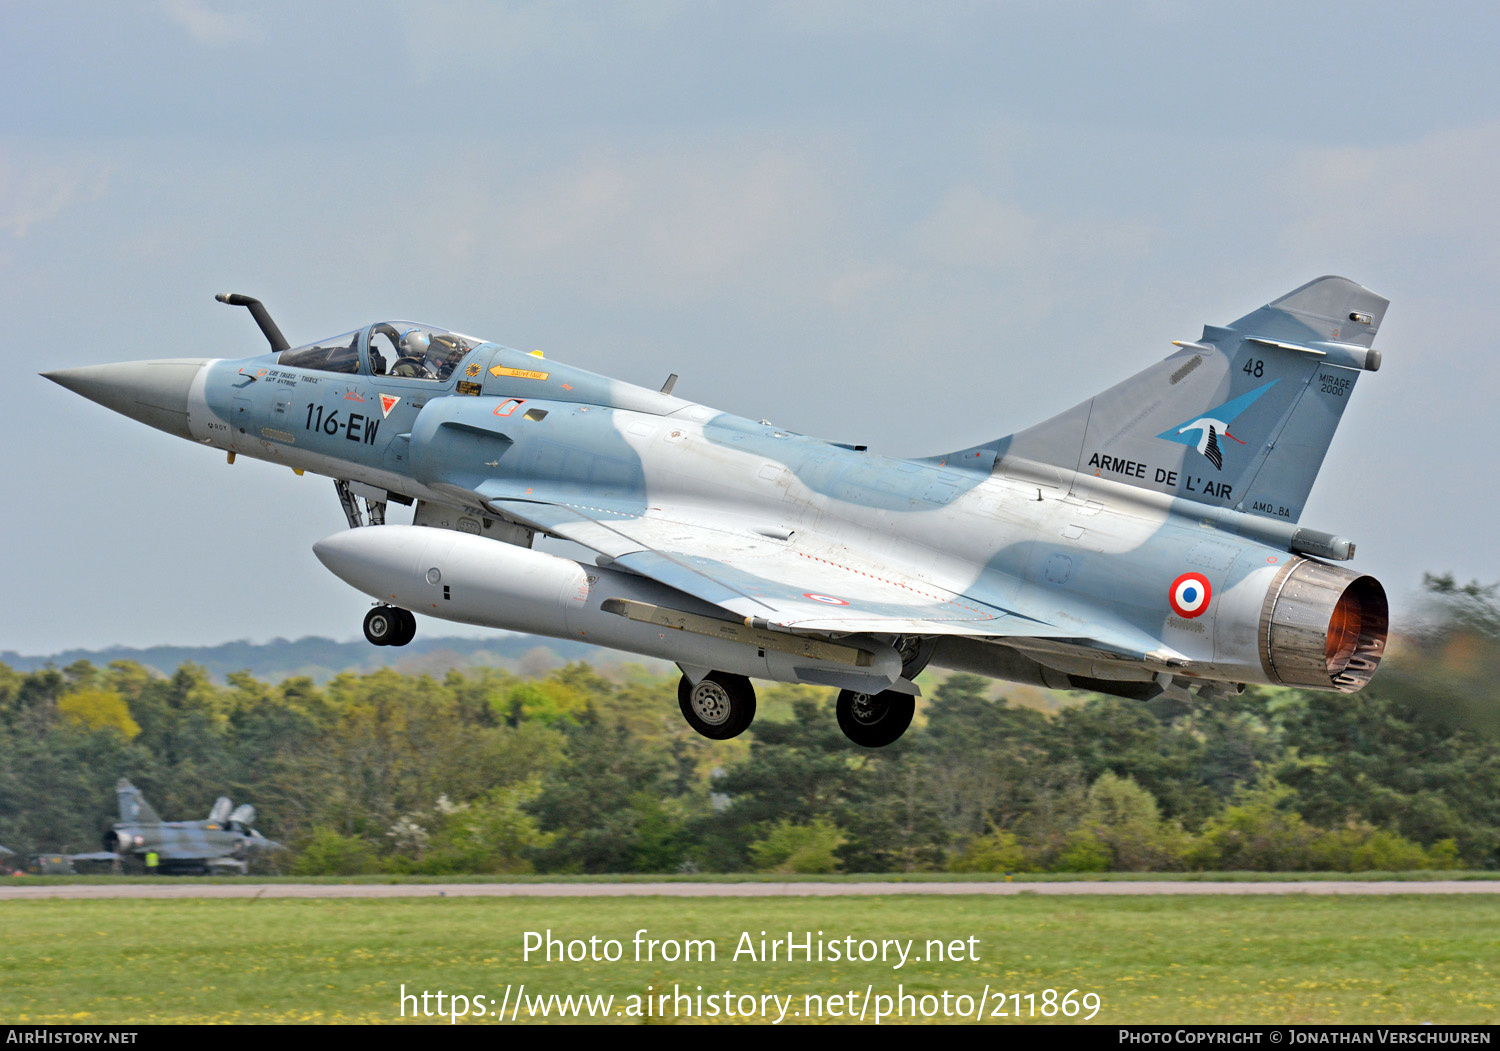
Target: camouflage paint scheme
x,y
222,842
1144,542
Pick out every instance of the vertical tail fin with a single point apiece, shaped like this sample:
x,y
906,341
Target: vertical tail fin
x,y
133,806
1241,418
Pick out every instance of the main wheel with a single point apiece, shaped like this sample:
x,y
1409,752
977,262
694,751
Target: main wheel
x,y
719,707
408,627
874,720
383,625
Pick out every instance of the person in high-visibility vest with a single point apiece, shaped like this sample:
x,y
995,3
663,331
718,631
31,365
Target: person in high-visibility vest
x,y
151,861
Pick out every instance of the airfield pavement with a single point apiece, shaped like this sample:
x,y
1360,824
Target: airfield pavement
x,y
185,889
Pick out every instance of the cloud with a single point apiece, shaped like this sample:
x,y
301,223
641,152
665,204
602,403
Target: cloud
x,y
206,25
842,18
972,227
436,32
1435,190
33,192
650,221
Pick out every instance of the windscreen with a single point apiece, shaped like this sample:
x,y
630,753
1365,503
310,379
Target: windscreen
x,y
338,354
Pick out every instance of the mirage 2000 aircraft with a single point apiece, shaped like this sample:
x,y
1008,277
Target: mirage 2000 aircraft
x,y
221,842
1145,542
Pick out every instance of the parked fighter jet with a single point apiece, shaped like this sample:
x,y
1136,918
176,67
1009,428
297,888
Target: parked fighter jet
x,y
222,842
1143,543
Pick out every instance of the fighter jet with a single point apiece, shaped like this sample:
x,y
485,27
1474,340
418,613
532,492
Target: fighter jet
x,y
1125,546
223,842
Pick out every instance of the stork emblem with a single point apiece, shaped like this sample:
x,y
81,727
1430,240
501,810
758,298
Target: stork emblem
x,y
1209,431
1206,432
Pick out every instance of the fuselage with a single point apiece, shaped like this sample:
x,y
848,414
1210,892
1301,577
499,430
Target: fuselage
x,y
1130,544
183,842
1047,551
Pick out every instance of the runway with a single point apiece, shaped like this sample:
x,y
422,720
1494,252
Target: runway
x,y
186,888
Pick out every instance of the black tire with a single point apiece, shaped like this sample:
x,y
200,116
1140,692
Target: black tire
x,y
874,720
382,625
719,707
407,627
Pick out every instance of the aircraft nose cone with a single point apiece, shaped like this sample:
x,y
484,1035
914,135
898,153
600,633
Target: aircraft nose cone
x,y
153,392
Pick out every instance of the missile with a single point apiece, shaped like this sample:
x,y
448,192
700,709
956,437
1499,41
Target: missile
x,y
476,580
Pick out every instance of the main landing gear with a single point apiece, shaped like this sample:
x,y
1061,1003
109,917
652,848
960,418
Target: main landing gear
x,y
390,626
874,720
719,706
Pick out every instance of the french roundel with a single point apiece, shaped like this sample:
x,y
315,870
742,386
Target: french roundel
x,y
826,599
1190,595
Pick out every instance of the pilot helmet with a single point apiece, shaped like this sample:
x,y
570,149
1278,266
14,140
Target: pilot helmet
x,y
414,343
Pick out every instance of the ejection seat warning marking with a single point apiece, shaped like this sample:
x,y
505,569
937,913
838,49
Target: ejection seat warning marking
x,y
520,374
387,403
1189,595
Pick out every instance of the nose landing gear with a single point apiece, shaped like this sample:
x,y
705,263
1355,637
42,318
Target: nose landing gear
x,y
390,626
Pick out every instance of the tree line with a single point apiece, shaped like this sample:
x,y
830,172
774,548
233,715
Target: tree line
x,y
483,771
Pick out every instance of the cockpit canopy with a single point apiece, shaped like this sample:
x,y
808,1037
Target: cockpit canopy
x,y
387,348
416,351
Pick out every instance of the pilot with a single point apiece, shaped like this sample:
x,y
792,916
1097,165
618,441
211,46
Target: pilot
x,y
445,355
412,361
414,343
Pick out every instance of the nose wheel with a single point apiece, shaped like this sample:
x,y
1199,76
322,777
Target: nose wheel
x,y
874,720
390,626
719,706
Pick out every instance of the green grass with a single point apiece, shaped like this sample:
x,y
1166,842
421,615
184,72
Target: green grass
x,y
1415,875
1299,959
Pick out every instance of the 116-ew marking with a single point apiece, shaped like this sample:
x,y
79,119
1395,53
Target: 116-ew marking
x,y
356,427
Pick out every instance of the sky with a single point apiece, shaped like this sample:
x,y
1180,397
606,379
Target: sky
x,y
916,226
